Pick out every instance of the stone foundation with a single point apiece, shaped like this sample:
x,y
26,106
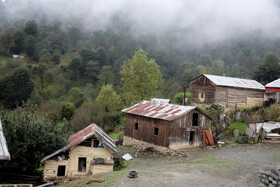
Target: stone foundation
x,y
269,178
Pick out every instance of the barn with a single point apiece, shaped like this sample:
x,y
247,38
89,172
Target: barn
x,y
89,151
226,91
167,125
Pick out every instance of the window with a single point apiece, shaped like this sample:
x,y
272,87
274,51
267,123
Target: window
x,y
136,126
201,96
97,143
195,119
82,164
156,131
61,171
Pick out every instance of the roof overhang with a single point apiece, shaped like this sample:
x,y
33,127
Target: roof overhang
x,y
269,89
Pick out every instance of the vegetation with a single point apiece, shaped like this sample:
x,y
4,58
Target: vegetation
x,y
240,125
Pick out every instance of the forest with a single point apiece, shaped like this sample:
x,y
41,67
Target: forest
x,y
58,76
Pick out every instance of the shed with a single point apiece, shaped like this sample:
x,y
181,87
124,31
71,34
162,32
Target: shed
x,y
274,86
226,91
166,125
4,152
88,151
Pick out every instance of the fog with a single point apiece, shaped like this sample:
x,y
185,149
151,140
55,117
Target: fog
x,y
193,21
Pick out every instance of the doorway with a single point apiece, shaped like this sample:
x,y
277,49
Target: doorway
x,y
82,164
192,134
61,171
195,119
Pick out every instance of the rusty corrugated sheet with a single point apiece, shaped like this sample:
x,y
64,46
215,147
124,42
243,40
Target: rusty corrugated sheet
x,y
235,82
156,110
4,152
83,135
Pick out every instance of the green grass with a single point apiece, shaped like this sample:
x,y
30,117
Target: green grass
x,y
116,135
211,162
240,126
3,60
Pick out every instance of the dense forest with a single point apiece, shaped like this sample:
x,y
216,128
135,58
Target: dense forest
x,y
68,76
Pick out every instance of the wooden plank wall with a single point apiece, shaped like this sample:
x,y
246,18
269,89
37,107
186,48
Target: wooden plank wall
x,y
205,86
145,130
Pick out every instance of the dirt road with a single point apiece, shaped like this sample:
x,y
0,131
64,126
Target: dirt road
x,y
233,165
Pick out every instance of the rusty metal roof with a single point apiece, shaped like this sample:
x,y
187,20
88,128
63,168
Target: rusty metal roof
x,y
274,84
83,135
235,82
157,110
4,152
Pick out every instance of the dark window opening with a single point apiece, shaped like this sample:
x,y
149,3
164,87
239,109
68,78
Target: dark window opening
x,y
86,143
191,137
82,164
195,119
97,143
61,171
156,131
136,126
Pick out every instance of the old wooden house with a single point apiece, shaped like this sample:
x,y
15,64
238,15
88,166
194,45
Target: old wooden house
x,y
226,91
167,125
88,151
274,86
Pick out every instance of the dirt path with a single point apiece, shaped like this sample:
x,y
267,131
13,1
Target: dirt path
x,y
234,165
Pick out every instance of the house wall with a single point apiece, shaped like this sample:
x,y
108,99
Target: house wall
x,y
146,128
204,86
71,171
182,127
173,134
230,97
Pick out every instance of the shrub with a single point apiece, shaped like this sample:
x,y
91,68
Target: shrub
x,y
273,113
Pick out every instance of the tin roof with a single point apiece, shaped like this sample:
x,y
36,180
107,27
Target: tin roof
x,y
235,82
156,110
274,84
83,135
4,153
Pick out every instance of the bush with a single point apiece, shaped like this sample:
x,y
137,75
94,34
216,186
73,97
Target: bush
x,y
66,110
240,126
179,97
273,113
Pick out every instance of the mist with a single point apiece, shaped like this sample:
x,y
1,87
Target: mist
x,y
195,22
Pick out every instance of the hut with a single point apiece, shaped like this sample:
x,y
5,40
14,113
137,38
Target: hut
x,y
226,91
167,125
274,86
88,151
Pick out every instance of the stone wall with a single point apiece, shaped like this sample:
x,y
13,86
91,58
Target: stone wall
x,y
269,178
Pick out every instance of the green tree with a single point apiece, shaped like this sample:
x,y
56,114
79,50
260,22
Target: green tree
x,y
269,70
74,67
18,46
6,40
106,76
92,69
66,110
29,138
204,59
31,28
141,78
23,84
102,56
55,58
88,55
30,45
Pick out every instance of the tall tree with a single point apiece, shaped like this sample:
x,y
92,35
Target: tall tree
x,y
6,40
18,42
31,28
102,56
141,78
269,70
30,45
106,76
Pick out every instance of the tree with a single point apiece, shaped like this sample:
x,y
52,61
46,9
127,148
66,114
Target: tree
x,y
29,138
18,46
31,28
30,45
6,40
269,70
106,76
88,55
23,84
92,69
204,59
74,68
108,103
66,110
102,56
141,78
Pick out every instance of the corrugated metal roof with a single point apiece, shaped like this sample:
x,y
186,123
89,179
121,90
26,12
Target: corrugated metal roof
x,y
83,135
156,110
235,82
274,84
4,153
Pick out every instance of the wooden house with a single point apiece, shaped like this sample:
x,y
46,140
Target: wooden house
x,y
226,91
274,86
88,151
166,125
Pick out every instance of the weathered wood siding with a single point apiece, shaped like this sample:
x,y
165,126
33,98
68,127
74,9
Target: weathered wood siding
x,y
231,97
172,134
71,170
205,86
146,128
182,127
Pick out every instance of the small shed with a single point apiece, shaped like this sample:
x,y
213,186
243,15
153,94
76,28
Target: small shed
x,y
274,87
88,151
4,152
226,91
166,125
